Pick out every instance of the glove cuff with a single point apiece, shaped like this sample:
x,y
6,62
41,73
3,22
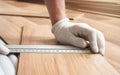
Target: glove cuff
x,y
60,23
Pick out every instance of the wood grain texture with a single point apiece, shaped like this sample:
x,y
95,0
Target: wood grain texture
x,y
64,64
106,1
111,32
38,31
38,34
98,7
14,8
9,31
27,9
58,64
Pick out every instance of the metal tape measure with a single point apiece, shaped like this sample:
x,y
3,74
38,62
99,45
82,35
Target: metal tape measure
x,y
46,49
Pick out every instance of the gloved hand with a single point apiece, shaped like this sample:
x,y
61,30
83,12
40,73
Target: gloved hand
x,y
14,60
77,34
6,65
3,49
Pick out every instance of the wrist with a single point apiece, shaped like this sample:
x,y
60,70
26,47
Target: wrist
x,y
60,24
61,21
57,18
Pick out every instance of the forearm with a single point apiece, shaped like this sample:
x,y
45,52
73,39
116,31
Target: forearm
x,y
56,9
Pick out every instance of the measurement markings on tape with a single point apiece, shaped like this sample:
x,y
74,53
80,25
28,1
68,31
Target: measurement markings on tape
x,y
46,49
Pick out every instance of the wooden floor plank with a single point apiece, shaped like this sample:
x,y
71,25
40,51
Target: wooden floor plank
x,y
105,19
38,31
111,32
31,10
58,64
64,64
8,8
39,21
96,7
9,31
38,34
112,55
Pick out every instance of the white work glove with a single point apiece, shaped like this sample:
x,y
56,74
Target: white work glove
x,y
14,60
6,66
77,34
3,49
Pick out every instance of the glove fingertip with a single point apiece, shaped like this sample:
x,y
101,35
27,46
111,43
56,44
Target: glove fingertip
x,y
4,50
84,44
95,49
102,51
78,42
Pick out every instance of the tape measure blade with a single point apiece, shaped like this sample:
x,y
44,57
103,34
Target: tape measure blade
x,y
46,49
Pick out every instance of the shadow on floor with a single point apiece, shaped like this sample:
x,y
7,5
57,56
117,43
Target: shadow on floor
x,y
33,1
